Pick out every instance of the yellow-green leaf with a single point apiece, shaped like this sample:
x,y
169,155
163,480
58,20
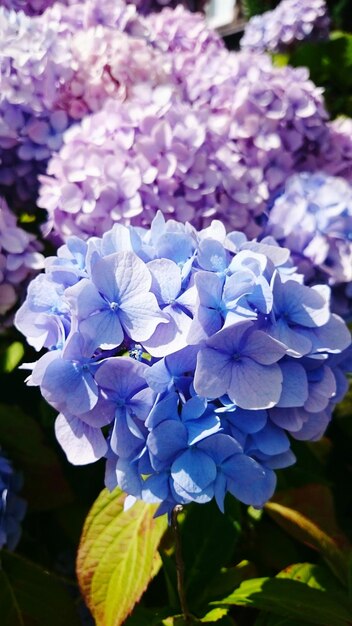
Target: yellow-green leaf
x,y
118,556
307,513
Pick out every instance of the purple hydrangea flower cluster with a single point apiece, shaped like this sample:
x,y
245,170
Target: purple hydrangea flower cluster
x,y
20,259
336,152
313,218
12,507
219,148
199,352
30,7
290,22
55,69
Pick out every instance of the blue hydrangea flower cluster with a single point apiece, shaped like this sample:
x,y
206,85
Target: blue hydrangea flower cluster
x,y
313,218
198,352
12,507
20,259
290,22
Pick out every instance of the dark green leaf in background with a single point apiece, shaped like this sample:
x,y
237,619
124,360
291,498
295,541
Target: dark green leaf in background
x,y
31,596
292,599
45,486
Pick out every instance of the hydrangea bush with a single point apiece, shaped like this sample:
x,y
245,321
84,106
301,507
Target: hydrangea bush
x,y
190,154
12,506
200,350
290,22
187,331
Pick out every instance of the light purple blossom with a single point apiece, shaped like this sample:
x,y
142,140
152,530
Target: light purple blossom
x,y
225,155
30,7
20,259
313,218
290,22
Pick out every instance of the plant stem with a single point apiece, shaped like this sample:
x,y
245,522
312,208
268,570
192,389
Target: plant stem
x,y
180,567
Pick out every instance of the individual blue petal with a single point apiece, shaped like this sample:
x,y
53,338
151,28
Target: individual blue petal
x,y
164,409
84,299
127,477
156,488
220,488
290,419
212,256
277,461
247,421
305,306
321,390
297,341
220,447
166,280
313,427
262,348
172,336
158,376
295,385
249,481
333,337
121,375
254,386
70,387
165,442
193,408
104,329
271,440
206,322
82,444
199,429
140,316
193,471
209,287
213,373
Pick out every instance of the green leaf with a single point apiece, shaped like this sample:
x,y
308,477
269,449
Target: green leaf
x,y
31,595
148,617
215,615
307,513
117,556
45,486
315,576
292,599
11,356
265,619
208,541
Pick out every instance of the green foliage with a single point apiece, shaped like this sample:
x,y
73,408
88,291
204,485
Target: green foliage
x,y
308,515
255,7
31,595
293,599
10,356
330,66
117,556
25,443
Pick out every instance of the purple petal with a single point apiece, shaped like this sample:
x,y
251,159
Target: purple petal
x,y
81,443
